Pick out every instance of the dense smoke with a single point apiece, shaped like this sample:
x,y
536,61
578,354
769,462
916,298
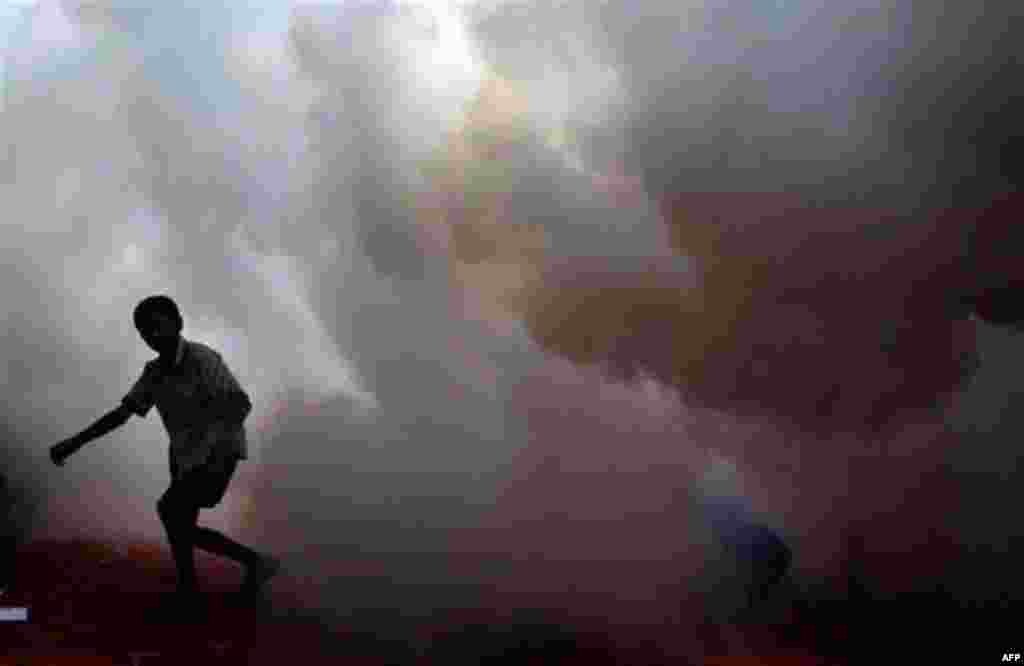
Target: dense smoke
x,y
481,264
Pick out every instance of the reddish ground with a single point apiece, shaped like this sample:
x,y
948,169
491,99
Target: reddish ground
x,y
87,599
87,602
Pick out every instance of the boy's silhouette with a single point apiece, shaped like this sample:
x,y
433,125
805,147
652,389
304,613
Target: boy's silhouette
x,y
203,408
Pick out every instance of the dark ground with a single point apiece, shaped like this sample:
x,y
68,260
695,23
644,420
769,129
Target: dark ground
x,y
87,601
354,604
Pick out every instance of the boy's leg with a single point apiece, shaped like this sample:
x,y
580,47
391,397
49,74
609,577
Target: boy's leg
x,y
258,568
214,542
179,513
211,487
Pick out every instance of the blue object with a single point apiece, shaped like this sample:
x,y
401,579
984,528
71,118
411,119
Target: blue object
x,y
755,545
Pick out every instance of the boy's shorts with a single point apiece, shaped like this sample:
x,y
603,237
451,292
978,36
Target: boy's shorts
x,y
206,484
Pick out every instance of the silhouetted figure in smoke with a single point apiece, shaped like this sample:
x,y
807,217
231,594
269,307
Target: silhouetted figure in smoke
x,y
768,557
762,558
203,409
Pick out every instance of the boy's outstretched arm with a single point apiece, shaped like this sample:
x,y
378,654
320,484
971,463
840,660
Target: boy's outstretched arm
x,y
110,421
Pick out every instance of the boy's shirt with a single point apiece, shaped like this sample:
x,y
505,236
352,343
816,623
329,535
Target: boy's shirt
x,y
181,393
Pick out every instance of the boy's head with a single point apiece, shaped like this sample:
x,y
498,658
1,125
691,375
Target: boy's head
x,y
158,320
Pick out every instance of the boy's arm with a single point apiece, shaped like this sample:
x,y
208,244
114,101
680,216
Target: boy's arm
x,y
110,421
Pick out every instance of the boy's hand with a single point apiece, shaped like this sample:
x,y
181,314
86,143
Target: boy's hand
x,y
59,452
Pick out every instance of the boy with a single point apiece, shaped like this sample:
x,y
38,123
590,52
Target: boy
x,y
203,409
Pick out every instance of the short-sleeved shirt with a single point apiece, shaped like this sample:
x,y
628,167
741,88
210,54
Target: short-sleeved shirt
x,y
180,393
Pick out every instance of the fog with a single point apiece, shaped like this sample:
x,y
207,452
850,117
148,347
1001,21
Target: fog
x,y
505,278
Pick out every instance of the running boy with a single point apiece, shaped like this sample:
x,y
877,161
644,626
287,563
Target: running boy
x,y
203,409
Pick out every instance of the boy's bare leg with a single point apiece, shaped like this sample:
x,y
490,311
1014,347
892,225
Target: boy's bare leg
x,y
214,542
258,568
179,516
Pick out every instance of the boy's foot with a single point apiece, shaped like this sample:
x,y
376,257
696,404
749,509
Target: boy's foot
x,y
256,576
